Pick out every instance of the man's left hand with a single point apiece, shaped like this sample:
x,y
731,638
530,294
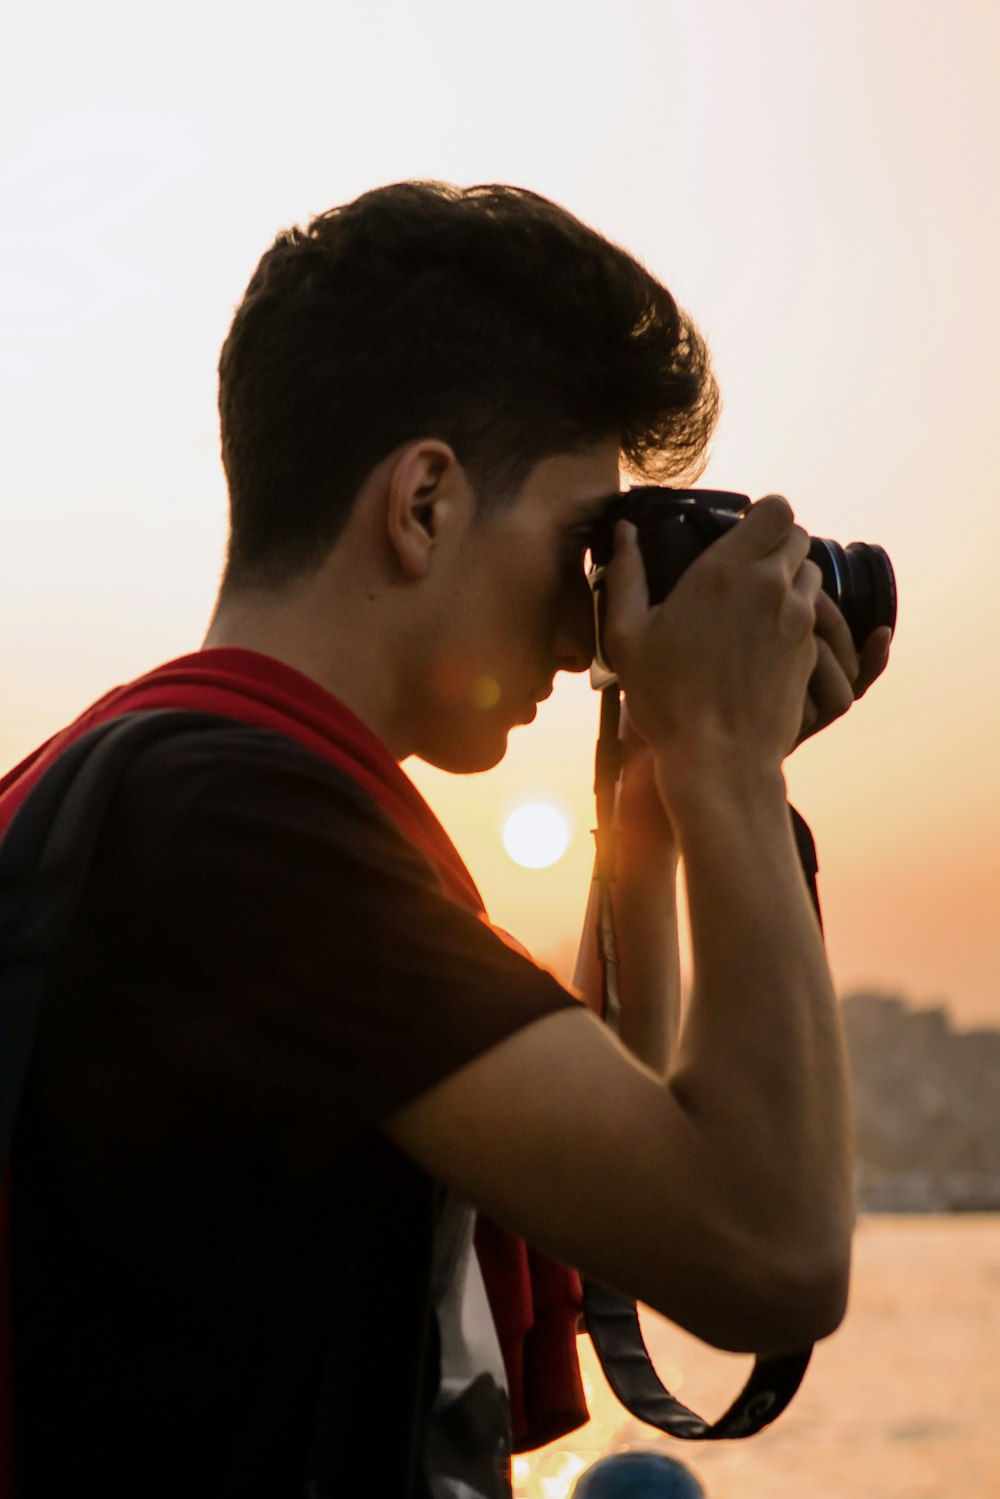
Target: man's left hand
x,y
840,676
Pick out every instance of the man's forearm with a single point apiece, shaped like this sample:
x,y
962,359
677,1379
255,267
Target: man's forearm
x,y
761,1059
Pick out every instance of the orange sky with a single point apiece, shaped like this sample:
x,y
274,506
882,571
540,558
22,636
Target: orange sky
x,y
817,183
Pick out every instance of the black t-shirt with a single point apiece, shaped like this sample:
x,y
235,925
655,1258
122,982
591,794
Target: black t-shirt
x,y
262,969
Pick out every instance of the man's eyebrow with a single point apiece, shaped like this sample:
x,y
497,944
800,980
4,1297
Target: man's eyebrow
x,y
593,509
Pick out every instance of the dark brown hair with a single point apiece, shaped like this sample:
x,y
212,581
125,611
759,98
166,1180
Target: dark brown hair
x,y
487,317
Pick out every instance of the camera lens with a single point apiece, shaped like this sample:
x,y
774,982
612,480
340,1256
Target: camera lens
x,y
860,580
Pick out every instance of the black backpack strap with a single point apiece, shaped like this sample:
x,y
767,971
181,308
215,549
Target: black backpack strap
x,y
45,857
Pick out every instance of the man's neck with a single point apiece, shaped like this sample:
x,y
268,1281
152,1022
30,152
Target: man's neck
x,y
348,661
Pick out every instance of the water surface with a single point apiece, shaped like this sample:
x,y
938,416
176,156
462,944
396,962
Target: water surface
x,y
903,1402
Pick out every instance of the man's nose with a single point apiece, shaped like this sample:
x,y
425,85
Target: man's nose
x,y
574,644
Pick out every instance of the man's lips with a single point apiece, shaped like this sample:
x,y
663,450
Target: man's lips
x,y
535,699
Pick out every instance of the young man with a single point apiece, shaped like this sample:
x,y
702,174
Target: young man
x,y
284,1059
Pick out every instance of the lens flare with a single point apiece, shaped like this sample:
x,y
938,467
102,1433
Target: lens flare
x,y
485,692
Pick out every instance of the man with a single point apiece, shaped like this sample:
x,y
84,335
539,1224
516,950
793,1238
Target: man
x,y
283,1057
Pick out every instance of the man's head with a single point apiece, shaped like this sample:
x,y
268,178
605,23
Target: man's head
x,y
487,318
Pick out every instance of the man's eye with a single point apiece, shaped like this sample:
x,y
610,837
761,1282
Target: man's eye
x,y
579,543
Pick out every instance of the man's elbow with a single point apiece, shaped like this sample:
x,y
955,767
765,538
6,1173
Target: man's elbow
x,y
766,1303
807,1301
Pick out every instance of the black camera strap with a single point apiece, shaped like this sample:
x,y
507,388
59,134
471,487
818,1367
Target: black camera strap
x,y
612,1319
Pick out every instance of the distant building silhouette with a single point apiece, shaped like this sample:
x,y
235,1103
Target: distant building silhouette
x,y
927,1108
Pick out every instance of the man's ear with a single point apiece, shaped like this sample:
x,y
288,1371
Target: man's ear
x,y
428,491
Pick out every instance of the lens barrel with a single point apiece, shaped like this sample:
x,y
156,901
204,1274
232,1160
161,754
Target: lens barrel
x,y
860,580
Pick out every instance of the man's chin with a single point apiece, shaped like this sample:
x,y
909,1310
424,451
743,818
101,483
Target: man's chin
x,y
468,755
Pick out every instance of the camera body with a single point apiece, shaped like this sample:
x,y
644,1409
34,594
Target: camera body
x,y
676,525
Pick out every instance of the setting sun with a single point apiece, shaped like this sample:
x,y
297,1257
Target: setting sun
x,y
536,834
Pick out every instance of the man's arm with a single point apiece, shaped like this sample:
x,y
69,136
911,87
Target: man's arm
x,y
720,1195
644,892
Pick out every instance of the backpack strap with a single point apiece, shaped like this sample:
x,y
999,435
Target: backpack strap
x,y
45,857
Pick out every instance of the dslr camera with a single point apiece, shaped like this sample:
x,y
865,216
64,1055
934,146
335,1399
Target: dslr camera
x,y
676,525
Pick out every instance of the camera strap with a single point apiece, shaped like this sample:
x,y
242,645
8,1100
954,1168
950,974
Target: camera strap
x,y
612,1319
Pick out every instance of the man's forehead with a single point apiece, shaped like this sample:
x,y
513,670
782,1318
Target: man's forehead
x,y
579,484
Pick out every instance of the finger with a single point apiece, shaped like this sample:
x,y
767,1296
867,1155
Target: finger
x,y
800,612
873,660
770,538
808,581
810,719
832,627
764,527
829,687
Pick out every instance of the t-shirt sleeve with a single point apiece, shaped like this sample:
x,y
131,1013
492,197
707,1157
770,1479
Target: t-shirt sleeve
x,y
300,955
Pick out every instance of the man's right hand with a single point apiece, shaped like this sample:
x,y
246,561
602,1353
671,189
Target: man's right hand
x,y
717,674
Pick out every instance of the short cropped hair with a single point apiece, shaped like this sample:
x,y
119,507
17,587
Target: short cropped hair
x,y
487,317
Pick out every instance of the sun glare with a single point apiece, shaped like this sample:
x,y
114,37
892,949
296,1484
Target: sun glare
x,y
536,834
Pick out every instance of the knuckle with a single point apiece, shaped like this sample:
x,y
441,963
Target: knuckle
x,y
775,592
809,623
803,599
812,573
798,543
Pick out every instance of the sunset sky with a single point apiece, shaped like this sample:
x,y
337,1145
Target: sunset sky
x,y
817,181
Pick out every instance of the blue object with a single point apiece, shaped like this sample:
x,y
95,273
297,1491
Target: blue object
x,y
638,1475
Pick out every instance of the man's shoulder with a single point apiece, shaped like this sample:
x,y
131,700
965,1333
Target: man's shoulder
x,y
239,787
190,761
